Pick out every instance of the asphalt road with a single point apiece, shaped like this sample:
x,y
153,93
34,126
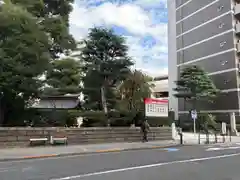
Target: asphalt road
x,y
184,163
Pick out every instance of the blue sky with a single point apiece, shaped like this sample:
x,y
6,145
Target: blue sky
x,y
142,22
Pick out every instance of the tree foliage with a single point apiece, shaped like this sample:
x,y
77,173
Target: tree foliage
x,y
33,32
23,56
133,90
92,91
64,77
106,63
207,121
53,18
195,85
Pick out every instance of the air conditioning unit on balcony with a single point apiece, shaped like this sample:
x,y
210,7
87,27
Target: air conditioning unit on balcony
x,y
238,28
238,47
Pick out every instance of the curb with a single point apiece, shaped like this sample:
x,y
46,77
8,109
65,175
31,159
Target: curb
x,y
86,153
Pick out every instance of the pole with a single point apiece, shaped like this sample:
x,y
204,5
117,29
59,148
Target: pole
x,y
181,138
216,140
194,117
199,137
194,125
230,136
181,135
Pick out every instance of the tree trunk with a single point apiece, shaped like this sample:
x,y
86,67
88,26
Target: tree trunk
x,y
104,103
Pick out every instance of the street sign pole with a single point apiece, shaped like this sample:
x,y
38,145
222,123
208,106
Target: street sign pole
x,y
194,125
194,117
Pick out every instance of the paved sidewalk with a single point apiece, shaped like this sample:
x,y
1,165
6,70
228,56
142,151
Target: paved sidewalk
x,y
55,151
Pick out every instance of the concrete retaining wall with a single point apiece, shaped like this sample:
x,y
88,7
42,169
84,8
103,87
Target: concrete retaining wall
x,y
20,136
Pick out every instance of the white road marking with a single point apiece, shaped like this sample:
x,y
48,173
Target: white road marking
x,y
15,169
223,148
233,147
27,169
146,166
213,149
7,170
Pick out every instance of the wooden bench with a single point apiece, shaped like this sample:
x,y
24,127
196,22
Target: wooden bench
x,y
58,140
38,141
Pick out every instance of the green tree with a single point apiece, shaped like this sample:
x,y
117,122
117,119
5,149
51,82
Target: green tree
x,y
133,90
43,39
195,85
24,57
131,93
207,121
106,61
53,18
63,77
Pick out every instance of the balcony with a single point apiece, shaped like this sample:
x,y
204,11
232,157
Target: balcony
x,y
237,11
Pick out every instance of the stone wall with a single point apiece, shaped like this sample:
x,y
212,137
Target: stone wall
x,y
10,137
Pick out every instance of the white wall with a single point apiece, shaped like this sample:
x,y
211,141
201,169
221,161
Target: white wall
x,y
56,104
172,56
160,86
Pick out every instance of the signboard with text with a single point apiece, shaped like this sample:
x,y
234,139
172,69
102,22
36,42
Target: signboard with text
x,y
156,107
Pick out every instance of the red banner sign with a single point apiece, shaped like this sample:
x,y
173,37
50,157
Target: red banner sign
x,y
156,107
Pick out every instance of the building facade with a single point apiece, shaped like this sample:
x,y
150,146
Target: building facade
x,y
160,89
206,33
68,101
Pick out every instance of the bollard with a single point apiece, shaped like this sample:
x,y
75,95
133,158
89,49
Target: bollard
x,y
207,138
230,136
181,138
199,138
181,135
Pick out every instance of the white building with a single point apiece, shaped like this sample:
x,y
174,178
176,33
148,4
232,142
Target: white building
x,y
161,87
68,101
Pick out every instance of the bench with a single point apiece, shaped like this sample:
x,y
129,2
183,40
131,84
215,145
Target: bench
x,y
38,141
58,140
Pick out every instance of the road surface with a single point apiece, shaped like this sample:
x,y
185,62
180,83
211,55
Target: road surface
x,y
183,163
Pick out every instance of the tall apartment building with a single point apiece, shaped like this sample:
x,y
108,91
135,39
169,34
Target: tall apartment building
x,y
206,33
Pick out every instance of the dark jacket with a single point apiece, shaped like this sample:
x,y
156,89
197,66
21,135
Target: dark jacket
x,y
145,126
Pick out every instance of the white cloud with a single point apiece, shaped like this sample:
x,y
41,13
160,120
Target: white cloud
x,y
130,16
154,72
140,53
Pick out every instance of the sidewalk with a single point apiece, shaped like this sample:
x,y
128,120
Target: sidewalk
x,y
56,151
